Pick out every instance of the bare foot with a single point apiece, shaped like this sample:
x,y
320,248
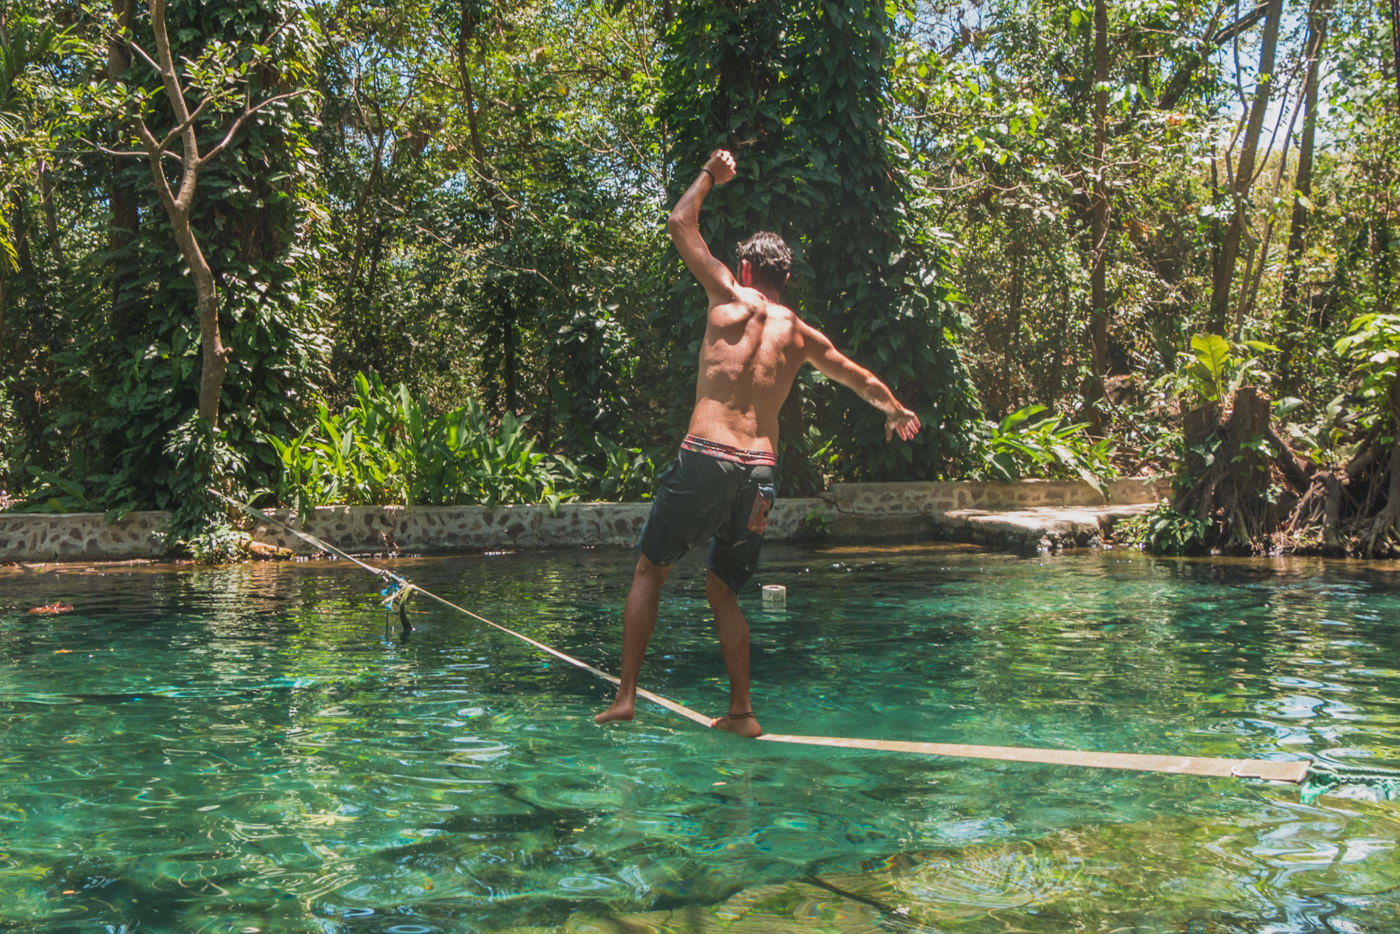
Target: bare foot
x,y
620,710
740,724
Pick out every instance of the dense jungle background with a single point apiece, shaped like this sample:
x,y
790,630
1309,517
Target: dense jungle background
x,y
415,251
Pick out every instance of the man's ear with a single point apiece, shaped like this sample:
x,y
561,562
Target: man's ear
x,y
745,274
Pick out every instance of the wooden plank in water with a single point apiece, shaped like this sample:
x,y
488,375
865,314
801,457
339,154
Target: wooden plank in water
x,y
1270,770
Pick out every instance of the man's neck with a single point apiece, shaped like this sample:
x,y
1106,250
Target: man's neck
x,y
774,296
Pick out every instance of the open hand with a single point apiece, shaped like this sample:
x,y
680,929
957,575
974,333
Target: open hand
x,y
720,165
902,422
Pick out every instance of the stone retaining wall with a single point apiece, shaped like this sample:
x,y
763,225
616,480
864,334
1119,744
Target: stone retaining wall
x,y
847,511
81,536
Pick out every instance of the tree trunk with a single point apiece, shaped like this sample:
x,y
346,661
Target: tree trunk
x,y
1224,273
1254,271
502,213
1231,489
1098,287
509,365
1395,44
214,359
466,33
24,257
359,215
214,354
50,217
1015,309
125,221
1302,185
7,356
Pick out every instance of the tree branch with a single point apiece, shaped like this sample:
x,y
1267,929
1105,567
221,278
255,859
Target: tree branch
x,y
242,119
1240,25
1214,39
181,128
124,154
139,51
154,154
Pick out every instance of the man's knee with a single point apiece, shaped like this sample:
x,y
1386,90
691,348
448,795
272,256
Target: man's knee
x,y
716,590
650,572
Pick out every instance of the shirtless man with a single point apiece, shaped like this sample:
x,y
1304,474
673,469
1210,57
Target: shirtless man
x,y
720,486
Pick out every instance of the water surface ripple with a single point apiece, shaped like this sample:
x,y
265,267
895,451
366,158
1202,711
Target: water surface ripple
x,y
243,749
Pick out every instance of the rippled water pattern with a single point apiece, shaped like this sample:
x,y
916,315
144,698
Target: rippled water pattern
x,y
243,749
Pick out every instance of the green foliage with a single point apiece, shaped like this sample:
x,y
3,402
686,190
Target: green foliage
x,y
118,383
214,542
1216,368
26,43
814,527
494,221
999,122
1372,345
8,455
201,458
384,449
468,200
1164,531
52,493
626,475
1030,443
1315,438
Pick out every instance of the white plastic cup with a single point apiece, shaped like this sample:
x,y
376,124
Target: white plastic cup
x,y
774,595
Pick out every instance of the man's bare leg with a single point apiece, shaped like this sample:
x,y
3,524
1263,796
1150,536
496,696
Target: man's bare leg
x,y
733,632
638,622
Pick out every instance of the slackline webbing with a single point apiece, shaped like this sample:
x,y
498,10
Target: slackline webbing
x,y
404,586
1279,771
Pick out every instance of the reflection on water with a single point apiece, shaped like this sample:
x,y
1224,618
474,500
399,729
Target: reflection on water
x,y
243,749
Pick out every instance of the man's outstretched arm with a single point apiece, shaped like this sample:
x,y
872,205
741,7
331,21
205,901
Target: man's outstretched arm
x,y
823,355
684,227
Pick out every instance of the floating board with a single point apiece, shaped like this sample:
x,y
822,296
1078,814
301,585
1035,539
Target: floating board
x,y
1274,771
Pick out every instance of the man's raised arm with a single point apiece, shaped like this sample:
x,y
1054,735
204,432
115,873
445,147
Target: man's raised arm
x,y
823,355
684,227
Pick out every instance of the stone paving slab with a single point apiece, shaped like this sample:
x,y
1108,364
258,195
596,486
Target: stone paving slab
x,y
1034,531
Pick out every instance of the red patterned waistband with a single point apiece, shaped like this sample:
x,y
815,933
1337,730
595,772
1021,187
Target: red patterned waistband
x,y
727,452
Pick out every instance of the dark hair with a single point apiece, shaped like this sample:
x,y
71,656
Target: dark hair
x,y
769,258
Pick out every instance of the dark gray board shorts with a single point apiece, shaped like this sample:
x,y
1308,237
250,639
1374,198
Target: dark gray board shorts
x,y
714,492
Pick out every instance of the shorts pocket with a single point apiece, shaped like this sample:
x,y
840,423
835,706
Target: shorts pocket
x,y
763,499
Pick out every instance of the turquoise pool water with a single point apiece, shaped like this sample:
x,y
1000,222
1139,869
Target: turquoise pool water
x,y
243,750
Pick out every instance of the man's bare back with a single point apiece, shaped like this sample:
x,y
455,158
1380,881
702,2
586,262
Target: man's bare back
x,y
750,356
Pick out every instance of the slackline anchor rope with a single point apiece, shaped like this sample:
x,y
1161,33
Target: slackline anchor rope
x,y
1325,777
396,595
398,590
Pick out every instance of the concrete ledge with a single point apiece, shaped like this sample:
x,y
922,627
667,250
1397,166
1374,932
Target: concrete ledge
x,y
1033,515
